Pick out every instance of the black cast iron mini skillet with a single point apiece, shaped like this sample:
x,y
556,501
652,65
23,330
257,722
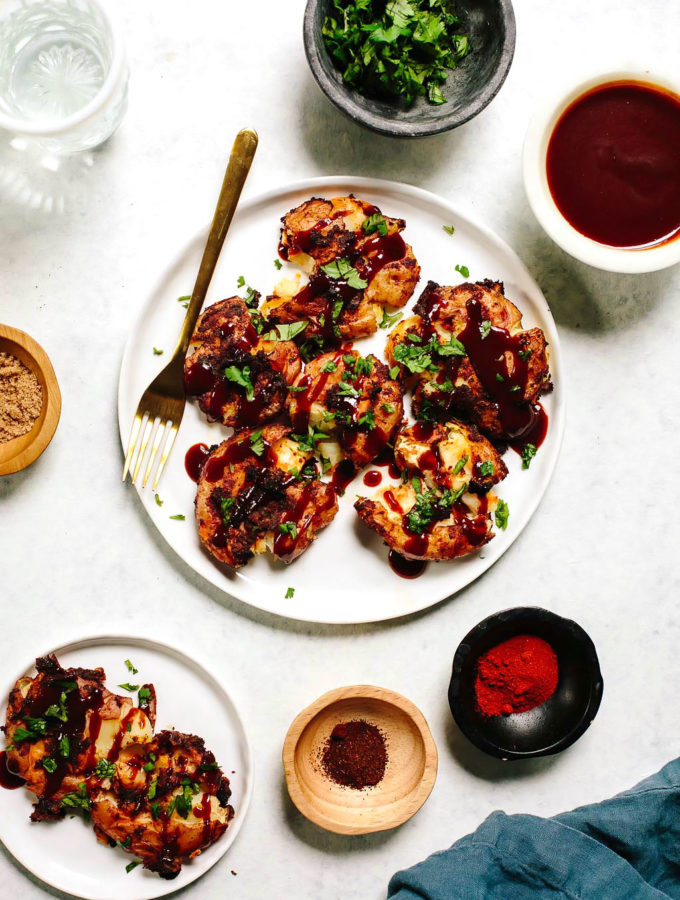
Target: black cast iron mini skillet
x,y
490,26
549,728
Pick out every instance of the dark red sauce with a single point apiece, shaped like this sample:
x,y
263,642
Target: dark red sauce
x,y
393,503
343,475
613,164
406,568
237,452
372,478
495,356
7,778
194,460
537,433
114,752
386,458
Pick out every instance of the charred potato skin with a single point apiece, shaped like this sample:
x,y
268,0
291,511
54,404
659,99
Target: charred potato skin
x,y
225,336
126,816
277,494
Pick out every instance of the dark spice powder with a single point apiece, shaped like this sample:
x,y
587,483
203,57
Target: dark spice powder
x,y
355,754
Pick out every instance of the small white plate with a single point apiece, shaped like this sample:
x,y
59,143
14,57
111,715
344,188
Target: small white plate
x,y
66,854
344,577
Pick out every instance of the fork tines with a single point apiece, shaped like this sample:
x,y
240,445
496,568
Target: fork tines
x,y
164,432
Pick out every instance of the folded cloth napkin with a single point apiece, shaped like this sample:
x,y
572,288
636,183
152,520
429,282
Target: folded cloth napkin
x,y
625,848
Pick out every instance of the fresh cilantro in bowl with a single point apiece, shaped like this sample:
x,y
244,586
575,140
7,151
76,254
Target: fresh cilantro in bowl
x,y
399,49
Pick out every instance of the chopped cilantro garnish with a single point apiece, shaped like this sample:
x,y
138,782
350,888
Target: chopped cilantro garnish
x,y
528,453
414,358
226,504
128,664
242,378
64,747
132,865
129,687
387,407
158,500
394,372
464,271
240,281
502,515
157,352
257,442
77,799
389,320
460,465
486,468
342,269
285,332
449,229
376,222
451,348
144,695
178,517
368,419
399,49
329,366
363,365
155,808
152,789
58,711
184,300
346,390
289,528
499,377
49,765
485,328
524,354
289,593
278,264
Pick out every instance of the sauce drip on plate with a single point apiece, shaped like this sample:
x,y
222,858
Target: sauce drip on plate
x,y
613,164
7,778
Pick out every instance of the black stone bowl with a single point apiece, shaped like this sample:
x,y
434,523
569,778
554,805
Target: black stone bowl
x,y
490,26
546,729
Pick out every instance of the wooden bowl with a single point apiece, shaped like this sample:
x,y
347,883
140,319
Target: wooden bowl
x,y
411,761
20,452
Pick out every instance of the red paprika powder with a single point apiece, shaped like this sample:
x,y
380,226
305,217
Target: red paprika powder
x,y
516,676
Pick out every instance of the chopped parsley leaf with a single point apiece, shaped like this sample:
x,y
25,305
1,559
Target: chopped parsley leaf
x,y
464,271
486,468
157,352
329,366
415,358
289,528
144,695
290,593
342,269
387,407
389,320
499,377
460,465
451,348
64,747
77,799
152,789
502,515
155,808
158,500
257,442
129,687
376,222
346,390
528,453
449,229
240,281
485,328
285,332
242,378
226,504
128,664
368,419
49,765
105,769
394,372
178,517
278,264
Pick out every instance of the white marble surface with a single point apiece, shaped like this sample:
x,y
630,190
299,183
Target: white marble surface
x,y
78,555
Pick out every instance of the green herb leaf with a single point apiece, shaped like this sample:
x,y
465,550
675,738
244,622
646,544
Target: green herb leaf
x,y
346,390
368,420
387,407
178,517
394,372
449,229
464,271
128,664
129,687
485,328
105,769
528,453
132,865
152,789
158,500
157,352
460,465
240,281
144,696
65,747
49,765
452,348
184,300
257,442
289,528
502,515
389,320
278,264
285,332
329,366
376,222
290,593
242,378
486,468
342,269
77,799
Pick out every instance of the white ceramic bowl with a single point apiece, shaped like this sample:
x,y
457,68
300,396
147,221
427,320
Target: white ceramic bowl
x,y
602,256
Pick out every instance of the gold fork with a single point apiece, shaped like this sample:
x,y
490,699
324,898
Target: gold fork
x,y
161,407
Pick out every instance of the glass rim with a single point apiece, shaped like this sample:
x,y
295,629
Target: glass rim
x,y
36,128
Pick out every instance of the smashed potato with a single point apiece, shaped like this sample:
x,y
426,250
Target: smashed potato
x,y
358,265
443,508
466,354
257,491
349,398
238,376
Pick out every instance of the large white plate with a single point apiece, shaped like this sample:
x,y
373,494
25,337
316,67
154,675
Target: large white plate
x,y
344,577
66,854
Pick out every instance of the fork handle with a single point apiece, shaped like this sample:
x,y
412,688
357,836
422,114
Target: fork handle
x,y
239,164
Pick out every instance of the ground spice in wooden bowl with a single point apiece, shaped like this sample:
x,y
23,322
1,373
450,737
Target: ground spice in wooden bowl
x,y
355,755
21,398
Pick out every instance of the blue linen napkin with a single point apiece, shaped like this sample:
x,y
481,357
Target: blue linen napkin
x,y
625,848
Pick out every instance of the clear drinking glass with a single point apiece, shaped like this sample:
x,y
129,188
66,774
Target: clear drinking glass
x,y
63,73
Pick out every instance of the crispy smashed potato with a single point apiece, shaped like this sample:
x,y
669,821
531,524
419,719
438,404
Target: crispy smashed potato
x,y
258,491
443,508
358,265
78,746
239,377
465,354
349,398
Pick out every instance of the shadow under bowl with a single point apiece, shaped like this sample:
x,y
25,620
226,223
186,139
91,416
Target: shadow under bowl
x,y
546,729
490,27
411,761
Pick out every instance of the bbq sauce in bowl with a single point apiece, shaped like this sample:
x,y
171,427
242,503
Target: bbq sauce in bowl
x,y
613,164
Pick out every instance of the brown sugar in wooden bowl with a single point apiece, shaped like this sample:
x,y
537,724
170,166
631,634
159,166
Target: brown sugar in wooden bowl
x,y
21,451
410,773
